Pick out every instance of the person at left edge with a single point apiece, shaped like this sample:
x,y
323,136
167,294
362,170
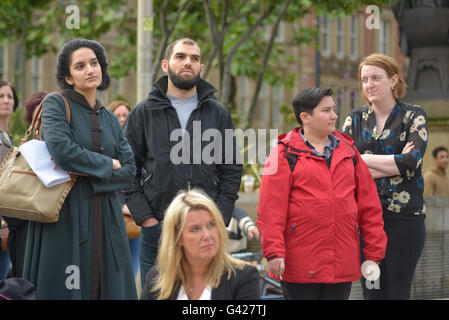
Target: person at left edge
x,y
85,254
8,104
18,228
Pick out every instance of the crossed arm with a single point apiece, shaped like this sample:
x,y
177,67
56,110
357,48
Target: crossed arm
x,y
382,166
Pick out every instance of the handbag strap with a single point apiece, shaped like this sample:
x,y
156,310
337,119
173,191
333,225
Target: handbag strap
x,y
36,124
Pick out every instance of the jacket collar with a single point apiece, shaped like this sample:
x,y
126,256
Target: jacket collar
x,y
79,98
293,138
204,89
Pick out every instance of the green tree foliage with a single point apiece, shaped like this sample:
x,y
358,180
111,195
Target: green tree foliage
x,y
236,36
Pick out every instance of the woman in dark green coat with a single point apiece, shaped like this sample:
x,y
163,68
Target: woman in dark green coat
x,y
85,254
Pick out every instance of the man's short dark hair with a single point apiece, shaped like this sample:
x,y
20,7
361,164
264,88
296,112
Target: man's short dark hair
x,y
169,49
437,150
307,99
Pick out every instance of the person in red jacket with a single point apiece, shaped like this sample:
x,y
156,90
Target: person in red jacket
x,y
316,196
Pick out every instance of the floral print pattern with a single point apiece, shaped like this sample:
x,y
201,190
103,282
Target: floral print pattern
x,y
402,194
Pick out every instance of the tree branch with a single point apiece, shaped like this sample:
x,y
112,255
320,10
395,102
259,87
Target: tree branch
x,y
231,54
166,33
262,69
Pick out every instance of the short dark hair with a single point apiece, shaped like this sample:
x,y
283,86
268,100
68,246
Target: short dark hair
x,y
307,99
169,49
65,57
437,150
14,94
32,103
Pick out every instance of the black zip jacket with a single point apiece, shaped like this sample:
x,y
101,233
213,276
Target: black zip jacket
x,y
166,165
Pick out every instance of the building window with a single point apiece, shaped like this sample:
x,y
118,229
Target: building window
x,y
263,104
340,38
353,37
115,88
325,39
384,37
35,72
19,69
242,96
279,35
353,99
276,102
2,62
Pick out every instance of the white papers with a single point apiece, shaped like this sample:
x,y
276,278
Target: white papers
x,y
36,154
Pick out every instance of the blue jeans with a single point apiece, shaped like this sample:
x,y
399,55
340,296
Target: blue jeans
x,y
5,264
134,248
149,248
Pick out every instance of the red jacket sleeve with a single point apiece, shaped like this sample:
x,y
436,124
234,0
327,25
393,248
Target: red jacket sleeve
x,y
273,203
370,213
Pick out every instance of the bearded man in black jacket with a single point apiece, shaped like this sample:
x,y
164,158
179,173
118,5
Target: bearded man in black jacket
x,y
182,138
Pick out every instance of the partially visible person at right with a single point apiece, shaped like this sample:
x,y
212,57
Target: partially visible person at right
x,y
391,136
436,180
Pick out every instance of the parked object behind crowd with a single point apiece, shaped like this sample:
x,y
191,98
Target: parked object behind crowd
x,y
193,263
84,255
392,137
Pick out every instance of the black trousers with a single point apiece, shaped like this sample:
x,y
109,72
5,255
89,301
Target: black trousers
x,y
18,230
406,238
316,291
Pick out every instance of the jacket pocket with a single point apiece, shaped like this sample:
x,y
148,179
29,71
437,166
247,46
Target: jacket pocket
x,y
291,232
357,232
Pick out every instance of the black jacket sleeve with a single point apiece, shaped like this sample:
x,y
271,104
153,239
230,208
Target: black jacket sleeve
x,y
135,197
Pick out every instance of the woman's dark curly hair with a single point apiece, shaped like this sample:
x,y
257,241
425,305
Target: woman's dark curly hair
x,y
32,103
14,94
65,57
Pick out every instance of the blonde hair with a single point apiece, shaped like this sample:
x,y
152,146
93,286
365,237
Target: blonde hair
x,y
390,66
171,262
117,103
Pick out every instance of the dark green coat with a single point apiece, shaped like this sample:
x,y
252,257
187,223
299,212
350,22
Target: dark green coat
x,y
56,251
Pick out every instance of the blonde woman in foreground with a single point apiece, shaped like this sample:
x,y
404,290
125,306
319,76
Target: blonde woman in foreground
x,y
193,263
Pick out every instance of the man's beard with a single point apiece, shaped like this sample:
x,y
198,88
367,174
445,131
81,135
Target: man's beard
x,y
181,83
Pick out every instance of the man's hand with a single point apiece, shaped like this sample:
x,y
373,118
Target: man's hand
x,y
150,222
277,266
253,233
125,210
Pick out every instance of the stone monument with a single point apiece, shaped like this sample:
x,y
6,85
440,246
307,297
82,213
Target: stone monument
x,y
424,38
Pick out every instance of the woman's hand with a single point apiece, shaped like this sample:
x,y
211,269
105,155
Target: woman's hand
x,y
116,164
408,147
277,266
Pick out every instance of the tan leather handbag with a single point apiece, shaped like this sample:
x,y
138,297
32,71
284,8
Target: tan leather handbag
x,y
132,229
22,194
4,233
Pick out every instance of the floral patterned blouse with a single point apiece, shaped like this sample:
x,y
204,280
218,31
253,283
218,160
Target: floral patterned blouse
x,y
402,194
